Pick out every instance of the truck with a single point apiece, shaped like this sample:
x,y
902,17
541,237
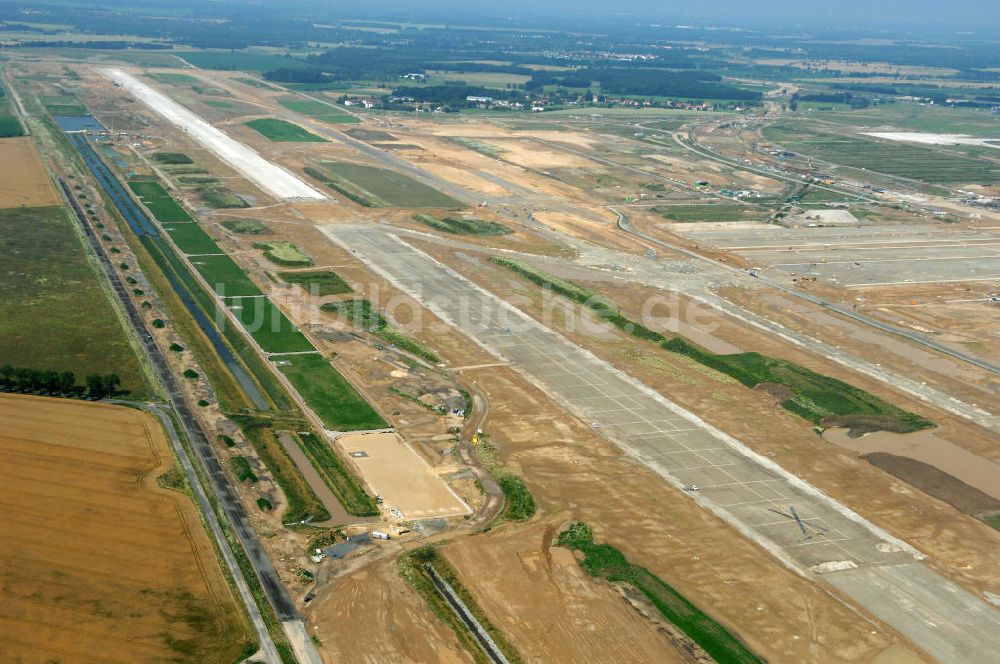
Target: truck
x,y
379,535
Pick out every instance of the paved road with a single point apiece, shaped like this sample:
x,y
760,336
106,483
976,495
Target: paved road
x,y
267,648
155,356
802,527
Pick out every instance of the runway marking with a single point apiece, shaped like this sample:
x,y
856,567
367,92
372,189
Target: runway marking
x,y
925,281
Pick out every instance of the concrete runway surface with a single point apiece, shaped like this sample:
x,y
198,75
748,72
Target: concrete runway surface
x,y
274,179
795,522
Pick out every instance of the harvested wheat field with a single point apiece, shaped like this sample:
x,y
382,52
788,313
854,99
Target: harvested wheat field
x,y
23,179
97,562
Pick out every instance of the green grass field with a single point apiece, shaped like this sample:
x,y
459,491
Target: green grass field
x,y
267,325
711,212
171,158
283,132
284,253
606,562
460,226
319,282
320,111
175,79
818,398
191,238
330,396
54,313
159,202
225,276
916,117
64,105
240,60
246,226
9,124
936,165
384,188
221,198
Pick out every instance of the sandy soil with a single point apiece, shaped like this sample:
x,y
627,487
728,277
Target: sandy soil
x,y
928,447
465,179
24,182
394,471
370,615
552,610
98,562
531,154
754,417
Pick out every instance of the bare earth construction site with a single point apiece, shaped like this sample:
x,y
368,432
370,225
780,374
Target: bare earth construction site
x,y
575,385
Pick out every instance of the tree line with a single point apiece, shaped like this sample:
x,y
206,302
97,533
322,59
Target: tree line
x,y
24,379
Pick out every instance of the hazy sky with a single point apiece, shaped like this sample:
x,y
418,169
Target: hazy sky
x,y
949,14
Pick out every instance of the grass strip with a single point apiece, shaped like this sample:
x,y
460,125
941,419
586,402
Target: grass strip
x,y
459,226
411,568
519,504
360,313
606,562
283,132
274,626
160,203
328,394
319,282
284,253
363,199
820,399
580,295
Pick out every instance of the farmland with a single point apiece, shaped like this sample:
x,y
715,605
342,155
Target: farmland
x,y
936,166
328,394
54,315
225,276
9,124
104,597
23,180
319,110
267,325
384,188
283,132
